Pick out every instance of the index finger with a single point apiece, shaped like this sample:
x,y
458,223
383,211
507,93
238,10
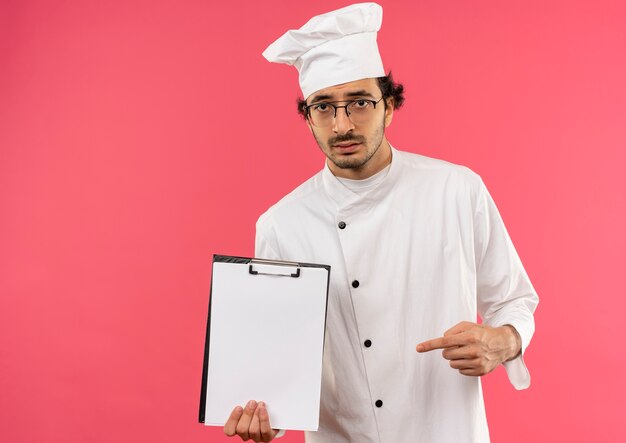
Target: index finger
x,y
266,429
440,343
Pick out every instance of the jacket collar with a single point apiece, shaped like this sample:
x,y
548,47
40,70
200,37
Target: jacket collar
x,y
346,199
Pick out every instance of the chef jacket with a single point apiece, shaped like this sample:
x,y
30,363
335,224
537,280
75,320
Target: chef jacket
x,y
422,251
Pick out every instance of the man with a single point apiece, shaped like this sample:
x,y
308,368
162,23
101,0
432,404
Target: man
x,y
417,250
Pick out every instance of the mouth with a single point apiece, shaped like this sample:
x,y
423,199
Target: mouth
x,y
347,147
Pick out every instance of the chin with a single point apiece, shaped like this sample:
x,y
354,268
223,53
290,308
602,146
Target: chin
x,y
348,163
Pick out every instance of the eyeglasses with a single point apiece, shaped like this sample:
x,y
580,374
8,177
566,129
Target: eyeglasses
x,y
359,111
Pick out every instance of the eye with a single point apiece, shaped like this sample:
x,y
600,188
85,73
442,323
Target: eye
x,y
322,108
360,104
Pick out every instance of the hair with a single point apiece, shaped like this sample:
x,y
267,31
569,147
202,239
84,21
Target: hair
x,y
388,87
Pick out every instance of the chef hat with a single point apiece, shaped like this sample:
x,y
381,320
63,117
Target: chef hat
x,y
332,48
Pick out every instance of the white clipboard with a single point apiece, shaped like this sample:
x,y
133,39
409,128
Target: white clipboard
x,y
265,340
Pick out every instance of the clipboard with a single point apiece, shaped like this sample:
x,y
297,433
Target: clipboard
x,y
265,340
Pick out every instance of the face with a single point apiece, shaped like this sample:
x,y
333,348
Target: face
x,y
353,151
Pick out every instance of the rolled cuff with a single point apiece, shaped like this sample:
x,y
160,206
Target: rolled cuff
x,y
516,369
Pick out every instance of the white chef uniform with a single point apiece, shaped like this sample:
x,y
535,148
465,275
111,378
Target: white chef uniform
x,y
423,250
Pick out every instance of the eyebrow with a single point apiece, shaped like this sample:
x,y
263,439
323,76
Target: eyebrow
x,y
359,93
322,97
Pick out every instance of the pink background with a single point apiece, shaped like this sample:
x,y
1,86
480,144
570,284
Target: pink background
x,y
137,138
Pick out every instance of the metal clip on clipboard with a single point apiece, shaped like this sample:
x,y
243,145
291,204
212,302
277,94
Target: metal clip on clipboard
x,y
276,263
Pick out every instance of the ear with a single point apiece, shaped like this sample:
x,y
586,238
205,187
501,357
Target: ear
x,y
388,111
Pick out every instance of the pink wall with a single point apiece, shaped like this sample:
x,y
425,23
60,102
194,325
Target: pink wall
x,y
137,138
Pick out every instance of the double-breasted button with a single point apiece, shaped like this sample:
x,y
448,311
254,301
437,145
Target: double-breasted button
x,y
342,225
367,343
379,403
355,284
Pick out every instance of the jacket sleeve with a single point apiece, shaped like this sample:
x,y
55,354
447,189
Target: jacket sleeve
x,y
266,241
504,292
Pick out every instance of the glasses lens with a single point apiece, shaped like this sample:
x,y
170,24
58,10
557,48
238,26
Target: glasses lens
x,y
360,111
322,114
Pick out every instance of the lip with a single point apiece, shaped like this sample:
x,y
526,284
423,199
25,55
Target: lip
x,y
347,147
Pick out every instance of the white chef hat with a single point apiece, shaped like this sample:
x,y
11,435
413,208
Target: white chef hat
x,y
333,48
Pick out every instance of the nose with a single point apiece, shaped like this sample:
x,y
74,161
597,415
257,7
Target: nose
x,y
342,123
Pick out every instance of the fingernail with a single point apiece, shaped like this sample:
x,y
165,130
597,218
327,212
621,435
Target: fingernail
x,y
252,404
420,348
261,403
